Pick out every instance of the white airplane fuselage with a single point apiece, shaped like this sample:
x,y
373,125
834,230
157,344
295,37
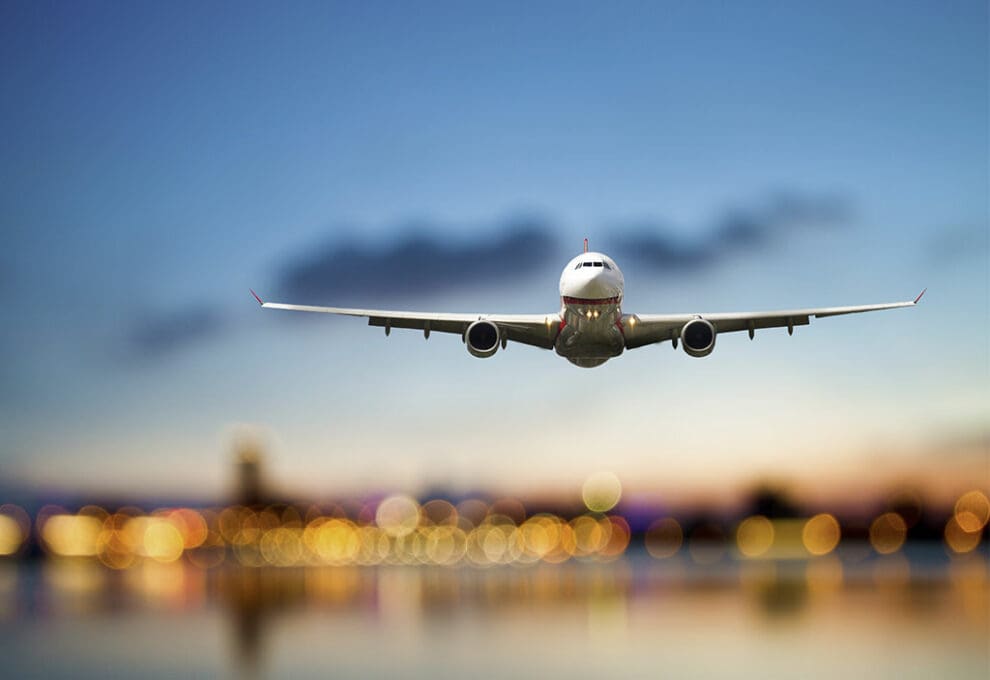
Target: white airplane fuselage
x,y
591,331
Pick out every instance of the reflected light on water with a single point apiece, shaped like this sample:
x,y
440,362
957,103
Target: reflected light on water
x,y
824,575
892,572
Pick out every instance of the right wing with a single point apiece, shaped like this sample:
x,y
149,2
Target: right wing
x,y
647,329
538,330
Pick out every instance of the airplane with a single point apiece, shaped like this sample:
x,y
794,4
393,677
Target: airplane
x,y
590,327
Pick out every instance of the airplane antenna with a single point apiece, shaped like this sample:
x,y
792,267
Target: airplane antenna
x,y
585,245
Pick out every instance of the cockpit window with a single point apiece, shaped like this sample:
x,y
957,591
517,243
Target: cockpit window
x,y
597,264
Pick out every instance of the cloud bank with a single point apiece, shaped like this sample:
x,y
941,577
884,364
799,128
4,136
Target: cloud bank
x,y
422,263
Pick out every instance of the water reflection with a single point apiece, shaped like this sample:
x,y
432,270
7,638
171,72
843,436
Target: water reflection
x,y
625,617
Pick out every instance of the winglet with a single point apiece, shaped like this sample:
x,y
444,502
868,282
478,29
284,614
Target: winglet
x,y
919,296
260,302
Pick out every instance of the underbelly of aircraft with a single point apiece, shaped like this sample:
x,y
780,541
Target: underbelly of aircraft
x,y
591,333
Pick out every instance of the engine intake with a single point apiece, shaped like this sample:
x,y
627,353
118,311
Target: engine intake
x,y
698,336
482,339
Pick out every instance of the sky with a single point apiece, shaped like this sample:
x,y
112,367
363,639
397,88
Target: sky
x,y
158,160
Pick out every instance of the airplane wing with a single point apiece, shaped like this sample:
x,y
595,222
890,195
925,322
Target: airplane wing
x,y
538,330
647,329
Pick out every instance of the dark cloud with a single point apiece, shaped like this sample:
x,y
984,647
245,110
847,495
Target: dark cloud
x,y
156,336
420,262
416,264
656,244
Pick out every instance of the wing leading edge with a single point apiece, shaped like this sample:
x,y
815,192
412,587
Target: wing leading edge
x,y
538,330
648,329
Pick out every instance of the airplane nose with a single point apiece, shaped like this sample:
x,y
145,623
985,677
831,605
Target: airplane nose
x,y
592,284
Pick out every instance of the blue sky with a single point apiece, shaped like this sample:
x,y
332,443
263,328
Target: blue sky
x,y
157,160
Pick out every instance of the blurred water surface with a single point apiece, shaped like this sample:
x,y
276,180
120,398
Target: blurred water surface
x,y
914,614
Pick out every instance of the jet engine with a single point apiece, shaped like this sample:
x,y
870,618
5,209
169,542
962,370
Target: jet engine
x,y
698,336
482,339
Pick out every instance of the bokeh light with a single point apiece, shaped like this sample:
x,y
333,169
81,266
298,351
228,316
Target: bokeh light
x,y
401,531
114,547
72,535
601,491
958,539
972,511
754,536
887,533
11,536
821,534
162,541
398,515
664,538
619,535
15,527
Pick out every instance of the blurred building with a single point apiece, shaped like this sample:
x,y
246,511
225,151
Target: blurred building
x,y
249,474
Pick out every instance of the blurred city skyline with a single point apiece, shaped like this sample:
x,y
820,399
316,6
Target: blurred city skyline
x,y
158,164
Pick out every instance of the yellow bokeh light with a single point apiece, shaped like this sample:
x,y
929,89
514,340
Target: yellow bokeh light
x,y
601,491
821,534
373,545
113,548
887,533
958,539
664,538
972,511
398,515
162,541
337,541
754,536
589,535
445,545
540,535
10,535
72,535
495,543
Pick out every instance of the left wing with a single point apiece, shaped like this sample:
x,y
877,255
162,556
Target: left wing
x,y
647,329
538,330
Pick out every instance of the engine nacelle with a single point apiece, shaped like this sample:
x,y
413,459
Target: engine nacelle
x,y
482,339
698,337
